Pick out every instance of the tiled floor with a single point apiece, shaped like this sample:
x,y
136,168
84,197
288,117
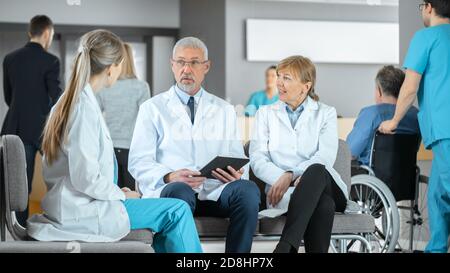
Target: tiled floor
x,y
257,247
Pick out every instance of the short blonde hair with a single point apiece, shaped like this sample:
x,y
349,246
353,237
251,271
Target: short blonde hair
x,y
301,69
128,69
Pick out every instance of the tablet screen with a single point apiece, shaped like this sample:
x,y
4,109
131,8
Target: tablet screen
x,y
222,162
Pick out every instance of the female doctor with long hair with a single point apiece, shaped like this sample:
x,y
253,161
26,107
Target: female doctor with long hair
x,y
83,202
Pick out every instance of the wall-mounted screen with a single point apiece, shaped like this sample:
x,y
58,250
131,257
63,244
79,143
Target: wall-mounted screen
x,y
323,41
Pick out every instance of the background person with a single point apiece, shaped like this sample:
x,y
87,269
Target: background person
x,y
120,105
264,97
31,87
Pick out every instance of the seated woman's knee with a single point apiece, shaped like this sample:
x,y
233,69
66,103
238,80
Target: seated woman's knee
x,y
326,207
315,168
179,208
183,205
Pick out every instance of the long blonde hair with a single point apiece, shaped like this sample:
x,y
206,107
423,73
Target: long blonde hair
x,y
302,69
98,50
128,69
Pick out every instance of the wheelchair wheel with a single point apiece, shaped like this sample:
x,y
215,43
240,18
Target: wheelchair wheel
x,y
376,199
419,222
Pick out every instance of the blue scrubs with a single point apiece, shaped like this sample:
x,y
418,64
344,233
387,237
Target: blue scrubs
x,y
170,219
429,55
439,197
257,100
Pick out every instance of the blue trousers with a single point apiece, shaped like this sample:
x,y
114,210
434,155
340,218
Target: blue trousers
x,y
170,219
239,201
439,197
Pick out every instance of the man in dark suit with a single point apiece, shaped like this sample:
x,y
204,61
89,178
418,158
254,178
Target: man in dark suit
x,y
31,88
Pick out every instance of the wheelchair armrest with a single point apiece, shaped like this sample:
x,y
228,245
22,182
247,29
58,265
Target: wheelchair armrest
x,y
368,169
423,179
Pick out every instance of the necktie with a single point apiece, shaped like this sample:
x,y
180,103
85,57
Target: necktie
x,y
191,108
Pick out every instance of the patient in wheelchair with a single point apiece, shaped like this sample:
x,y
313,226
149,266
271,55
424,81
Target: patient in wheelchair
x,y
387,88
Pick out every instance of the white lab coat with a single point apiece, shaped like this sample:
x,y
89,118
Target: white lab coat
x,y
276,147
82,202
164,140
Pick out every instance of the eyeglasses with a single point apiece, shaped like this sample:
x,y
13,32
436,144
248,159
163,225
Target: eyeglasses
x,y
193,64
422,6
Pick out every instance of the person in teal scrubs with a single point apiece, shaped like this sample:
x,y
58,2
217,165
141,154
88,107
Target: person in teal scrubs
x,y
428,76
175,235
264,97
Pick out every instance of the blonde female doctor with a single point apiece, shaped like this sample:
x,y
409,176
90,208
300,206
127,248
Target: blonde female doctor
x,y
293,149
83,202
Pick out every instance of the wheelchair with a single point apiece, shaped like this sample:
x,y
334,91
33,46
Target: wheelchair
x,y
393,191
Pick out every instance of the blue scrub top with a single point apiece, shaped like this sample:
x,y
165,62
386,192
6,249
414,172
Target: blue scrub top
x,y
258,99
429,55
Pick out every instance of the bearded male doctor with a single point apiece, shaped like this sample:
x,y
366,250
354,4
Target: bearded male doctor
x,y
178,132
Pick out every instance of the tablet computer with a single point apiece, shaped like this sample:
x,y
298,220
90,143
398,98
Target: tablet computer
x,y
222,162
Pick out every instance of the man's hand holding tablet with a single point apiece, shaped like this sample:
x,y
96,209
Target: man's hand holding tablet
x,y
226,177
220,168
224,169
192,178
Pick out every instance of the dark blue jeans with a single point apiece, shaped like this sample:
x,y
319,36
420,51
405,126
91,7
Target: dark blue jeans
x,y
30,155
239,201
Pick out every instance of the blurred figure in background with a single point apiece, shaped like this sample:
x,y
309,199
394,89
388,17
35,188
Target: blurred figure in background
x,y
120,105
264,97
31,88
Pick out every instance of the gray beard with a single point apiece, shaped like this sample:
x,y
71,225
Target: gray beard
x,y
186,87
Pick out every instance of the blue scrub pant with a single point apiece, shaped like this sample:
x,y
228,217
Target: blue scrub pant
x,y
439,197
170,219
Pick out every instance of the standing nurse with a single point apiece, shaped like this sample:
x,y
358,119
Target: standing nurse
x,y
428,76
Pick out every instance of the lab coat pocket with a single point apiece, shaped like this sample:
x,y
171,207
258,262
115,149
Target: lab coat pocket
x,y
88,224
277,142
275,146
86,219
115,220
307,143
